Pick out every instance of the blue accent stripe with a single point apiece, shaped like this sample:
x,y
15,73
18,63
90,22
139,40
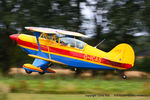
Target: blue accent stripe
x,y
78,63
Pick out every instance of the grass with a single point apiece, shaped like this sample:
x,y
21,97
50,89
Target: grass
x,y
71,85
24,96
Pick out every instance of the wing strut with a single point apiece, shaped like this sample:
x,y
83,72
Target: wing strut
x,y
40,53
37,34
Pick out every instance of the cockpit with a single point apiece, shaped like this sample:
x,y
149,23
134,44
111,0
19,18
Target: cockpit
x,y
65,41
72,42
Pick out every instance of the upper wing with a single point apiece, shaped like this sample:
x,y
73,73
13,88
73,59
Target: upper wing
x,y
55,31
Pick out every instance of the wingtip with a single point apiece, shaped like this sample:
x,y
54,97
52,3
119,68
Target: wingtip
x,y
85,36
28,28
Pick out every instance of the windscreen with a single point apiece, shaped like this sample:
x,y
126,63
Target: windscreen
x,y
72,42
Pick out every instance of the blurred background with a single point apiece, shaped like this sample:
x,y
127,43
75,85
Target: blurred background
x,y
116,21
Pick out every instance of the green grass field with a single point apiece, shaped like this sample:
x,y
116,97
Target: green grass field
x,y
70,85
24,96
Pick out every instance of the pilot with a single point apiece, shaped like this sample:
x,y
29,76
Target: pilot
x,y
63,43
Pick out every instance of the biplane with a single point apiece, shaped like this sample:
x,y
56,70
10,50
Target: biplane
x,y
48,47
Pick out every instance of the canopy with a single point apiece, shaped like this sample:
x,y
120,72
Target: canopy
x,y
55,31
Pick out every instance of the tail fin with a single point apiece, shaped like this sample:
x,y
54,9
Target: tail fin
x,y
122,53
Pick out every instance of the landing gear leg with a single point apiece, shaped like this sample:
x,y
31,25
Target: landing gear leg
x,y
41,73
123,75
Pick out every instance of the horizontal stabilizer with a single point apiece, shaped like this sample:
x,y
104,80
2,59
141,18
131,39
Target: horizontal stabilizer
x,y
32,67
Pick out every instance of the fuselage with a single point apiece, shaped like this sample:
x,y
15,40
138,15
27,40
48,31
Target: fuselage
x,y
87,57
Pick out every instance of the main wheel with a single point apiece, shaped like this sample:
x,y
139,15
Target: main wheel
x,y
28,72
41,73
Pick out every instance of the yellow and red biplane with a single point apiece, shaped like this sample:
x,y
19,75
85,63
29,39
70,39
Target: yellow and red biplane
x,y
47,49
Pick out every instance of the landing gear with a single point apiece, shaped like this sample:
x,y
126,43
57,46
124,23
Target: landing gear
x,y
78,71
41,73
28,72
123,75
75,69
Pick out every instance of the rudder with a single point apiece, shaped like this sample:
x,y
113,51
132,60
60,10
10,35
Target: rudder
x,y
122,53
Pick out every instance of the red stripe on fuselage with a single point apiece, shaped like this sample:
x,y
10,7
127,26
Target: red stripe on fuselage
x,y
109,62
32,45
66,52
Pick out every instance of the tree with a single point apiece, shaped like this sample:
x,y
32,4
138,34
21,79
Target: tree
x,y
6,23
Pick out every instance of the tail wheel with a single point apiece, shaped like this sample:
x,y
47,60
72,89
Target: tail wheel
x,y
41,73
28,72
123,75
